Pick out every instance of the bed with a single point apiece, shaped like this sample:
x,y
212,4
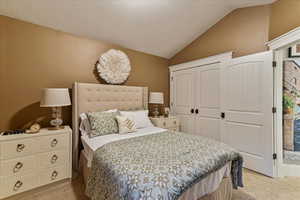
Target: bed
x,y
216,185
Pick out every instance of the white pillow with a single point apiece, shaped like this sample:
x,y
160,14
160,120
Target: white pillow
x,y
140,118
85,126
125,124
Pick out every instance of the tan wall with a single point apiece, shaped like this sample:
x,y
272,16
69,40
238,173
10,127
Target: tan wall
x,y
285,16
243,31
34,57
2,72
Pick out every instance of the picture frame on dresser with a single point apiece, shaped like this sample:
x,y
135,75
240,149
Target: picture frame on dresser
x,y
28,161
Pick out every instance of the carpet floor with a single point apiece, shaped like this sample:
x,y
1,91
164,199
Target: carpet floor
x,y
241,195
257,187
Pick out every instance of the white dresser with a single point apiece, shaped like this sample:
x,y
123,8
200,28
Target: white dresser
x,y
171,123
28,161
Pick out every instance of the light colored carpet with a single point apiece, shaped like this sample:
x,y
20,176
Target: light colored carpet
x,y
241,195
257,187
74,191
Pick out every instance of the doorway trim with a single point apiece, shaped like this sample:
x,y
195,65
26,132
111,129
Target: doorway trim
x,y
278,45
202,61
285,39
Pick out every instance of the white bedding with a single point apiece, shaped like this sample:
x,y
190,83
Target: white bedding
x,y
205,186
92,144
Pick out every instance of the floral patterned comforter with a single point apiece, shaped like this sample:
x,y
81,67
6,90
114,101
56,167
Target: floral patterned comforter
x,y
160,166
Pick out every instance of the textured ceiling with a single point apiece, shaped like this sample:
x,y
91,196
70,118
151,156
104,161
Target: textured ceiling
x,y
158,27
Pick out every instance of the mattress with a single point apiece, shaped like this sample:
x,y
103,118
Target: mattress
x,y
202,188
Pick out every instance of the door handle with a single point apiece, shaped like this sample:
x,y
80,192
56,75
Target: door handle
x,y
192,110
222,115
197,111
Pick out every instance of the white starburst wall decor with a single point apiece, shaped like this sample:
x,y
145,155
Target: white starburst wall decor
x,y
114,66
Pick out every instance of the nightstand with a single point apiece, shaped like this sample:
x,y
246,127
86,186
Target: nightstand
x,y
171,123
28,161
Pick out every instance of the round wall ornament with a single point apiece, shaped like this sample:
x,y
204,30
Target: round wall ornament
x,y
114,66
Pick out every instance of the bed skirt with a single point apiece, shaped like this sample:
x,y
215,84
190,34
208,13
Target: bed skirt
x,y
224,191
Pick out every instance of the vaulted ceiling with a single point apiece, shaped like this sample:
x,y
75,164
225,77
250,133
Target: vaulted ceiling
x,y
158,27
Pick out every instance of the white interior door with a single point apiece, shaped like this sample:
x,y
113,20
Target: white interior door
x,y
247,101
207,101
183,98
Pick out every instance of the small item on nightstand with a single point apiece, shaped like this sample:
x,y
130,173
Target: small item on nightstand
x,y
34,128
13,132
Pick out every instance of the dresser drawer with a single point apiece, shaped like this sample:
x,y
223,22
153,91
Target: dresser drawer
x,y
50,143
172,122
167,123
53,174
18,166
18,148
162,124
53,158
13,185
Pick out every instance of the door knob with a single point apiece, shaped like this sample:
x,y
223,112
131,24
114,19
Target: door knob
x,y
196,111
222,115
192,110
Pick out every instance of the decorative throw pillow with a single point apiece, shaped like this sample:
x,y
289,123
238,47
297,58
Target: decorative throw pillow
x,y
126,125
103,123
140,117
85,126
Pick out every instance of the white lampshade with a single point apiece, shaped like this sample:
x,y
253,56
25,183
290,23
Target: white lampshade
x,y
156,98
55,97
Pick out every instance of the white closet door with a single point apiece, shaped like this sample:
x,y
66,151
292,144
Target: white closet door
x,y
183,98
247,100
207,101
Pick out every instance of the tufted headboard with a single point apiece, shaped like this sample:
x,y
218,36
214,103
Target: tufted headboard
x,y
89,97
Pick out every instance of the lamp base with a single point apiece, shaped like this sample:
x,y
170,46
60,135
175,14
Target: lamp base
x,y
155,112
57,121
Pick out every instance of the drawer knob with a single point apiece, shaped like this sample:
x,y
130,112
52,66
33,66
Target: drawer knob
x,y
18,185
54,175
54,142
18,166
175,122
54,159
20,147
164,123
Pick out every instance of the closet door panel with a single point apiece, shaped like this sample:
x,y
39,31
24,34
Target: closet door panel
x,y
207,101
183,98
208,127
247,100
186,123
183,92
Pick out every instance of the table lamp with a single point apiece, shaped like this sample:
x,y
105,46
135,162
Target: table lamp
x,y
156,98
55,98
